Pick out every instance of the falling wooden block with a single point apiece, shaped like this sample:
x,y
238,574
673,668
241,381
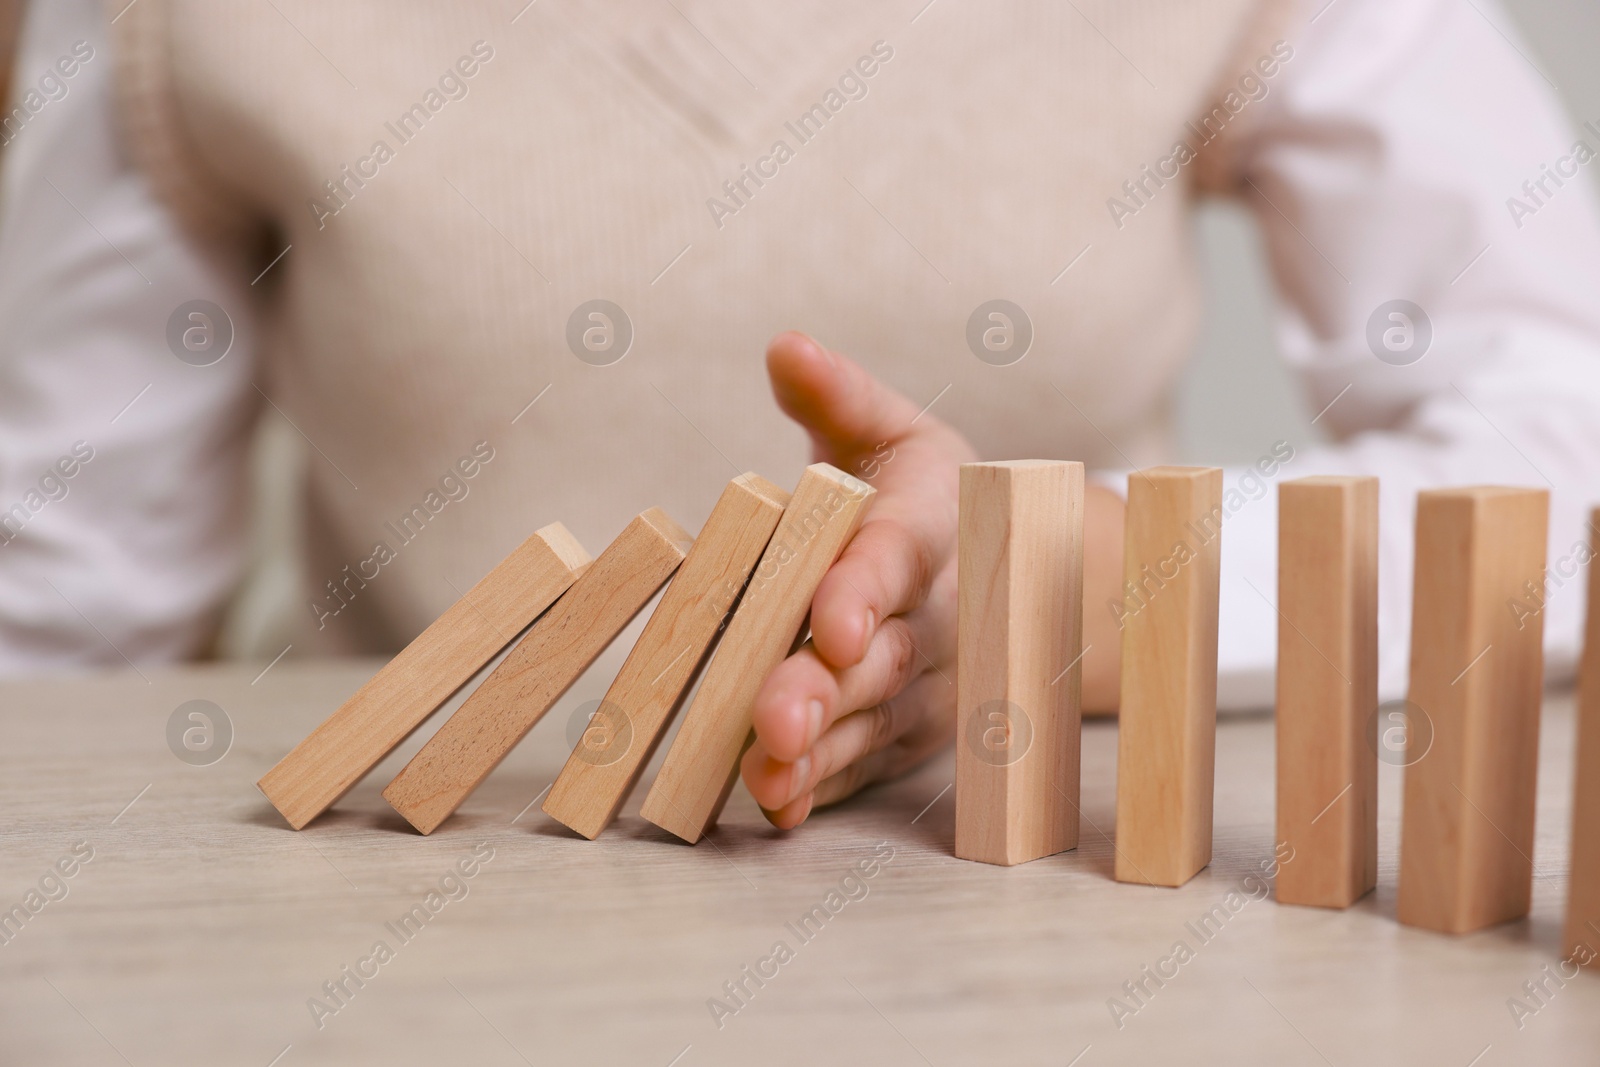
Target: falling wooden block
x,y
639,706
558,649
426,673
1020,634
1167,721
701,766
1583,900
1477,665
1328,689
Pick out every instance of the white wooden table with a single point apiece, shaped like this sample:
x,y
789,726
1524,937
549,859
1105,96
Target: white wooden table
x,y
203,925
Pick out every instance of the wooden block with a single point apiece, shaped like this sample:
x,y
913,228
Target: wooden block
x,y
558,649
645,696
1167,722
701,766
426,673
1019,630
1466,832
1583,893
1328,689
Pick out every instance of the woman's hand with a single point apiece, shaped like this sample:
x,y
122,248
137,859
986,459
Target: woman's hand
x,y
872,694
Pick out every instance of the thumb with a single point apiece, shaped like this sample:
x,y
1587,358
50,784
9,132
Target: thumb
x,y
844,408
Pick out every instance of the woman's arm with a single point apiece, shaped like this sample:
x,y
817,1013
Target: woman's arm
x,y
1412,152
122,464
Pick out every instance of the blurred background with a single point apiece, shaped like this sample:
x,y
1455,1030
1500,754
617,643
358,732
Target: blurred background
x,y
1235,394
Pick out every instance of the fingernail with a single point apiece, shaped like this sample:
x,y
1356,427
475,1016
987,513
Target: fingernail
x,y
817,350
814,713
799,777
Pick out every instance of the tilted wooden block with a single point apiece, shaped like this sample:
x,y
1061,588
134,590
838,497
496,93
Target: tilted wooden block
x,y
701,766
558,649
1466,833
1328,689
410,687
639,706
1583,894
1019,634
1167,721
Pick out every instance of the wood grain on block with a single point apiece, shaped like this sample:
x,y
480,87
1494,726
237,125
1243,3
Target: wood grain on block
x,y
1583,901
698,774
1327,689
1167,721
1019,633
1477,665
426,673
641,703
558,649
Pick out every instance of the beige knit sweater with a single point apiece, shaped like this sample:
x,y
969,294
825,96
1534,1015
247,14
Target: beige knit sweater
x,y
453,180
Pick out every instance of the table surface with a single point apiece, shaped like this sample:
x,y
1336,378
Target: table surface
x,y
203,927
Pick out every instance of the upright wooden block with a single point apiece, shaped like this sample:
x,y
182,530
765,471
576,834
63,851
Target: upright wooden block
x,y
1328,689
410,687
701,766
1466,832
639,706
1019,630
1167,728
558,649
1583,893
